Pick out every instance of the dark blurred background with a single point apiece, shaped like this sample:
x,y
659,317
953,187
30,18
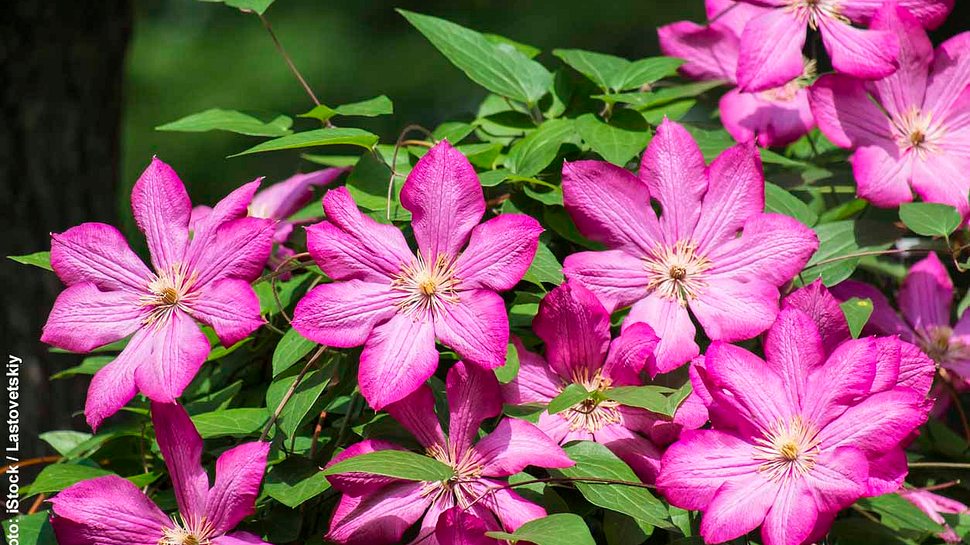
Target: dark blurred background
x,y
84,84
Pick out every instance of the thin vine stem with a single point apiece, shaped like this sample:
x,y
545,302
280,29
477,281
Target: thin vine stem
x,y
941,465
393,166
289,393
289,61
272,283
870,253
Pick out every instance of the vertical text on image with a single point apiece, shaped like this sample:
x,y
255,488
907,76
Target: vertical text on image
x,y
12,451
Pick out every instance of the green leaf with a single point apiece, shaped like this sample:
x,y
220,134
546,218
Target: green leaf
x,y
544,268
37,259
525,49
650,397
501,68
394,463
843,238
303,399
557,529
368,183
373,107
57,477
899,514
536,151
779,201
570,395
930,219
594,460
625,135
507,372
291,348
602,69
332,160
295,481
258,6
318,137
230,422
452,131
89,366
857,312
32,529
217,119
64,441
646,71
711,142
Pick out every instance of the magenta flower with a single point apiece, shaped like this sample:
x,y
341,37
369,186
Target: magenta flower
x,y
576,330
774,117
395,303
111,294
925,298
910,129
111,510
691,257
795,438
934,505
376,510
771,44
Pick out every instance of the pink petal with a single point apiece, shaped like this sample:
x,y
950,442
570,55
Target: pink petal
x,y
283,199
575,328
743,386
883,175
162,209
398,357
773,248
916,369
694,468
866,54
735,14
711,52
738,507
846,115
792,517
499,252
473,396
735,193
84,318
673,169
239,472
458,527
380,518
730,310
771,50
98,253
637,451
416,413
560,430
884,320
942,178
930,13
845,377
231,307
617,278
903,90
238,538
535,382
630,353
887,364
344,314
178,350
114,384
429,522
356,483
476,327
445,199
793,349
181,447
236,249
671,323
877,424
233,206
949,76
350,245
926,293
823,308
515,444
886,473
107,510
610,205
511,509
776,117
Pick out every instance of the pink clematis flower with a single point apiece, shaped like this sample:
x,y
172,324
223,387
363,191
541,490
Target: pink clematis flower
x,y
691,257
111,510
774,117
925,298
576,330
111,294
771,44
795,438
395,303
376,510
910,129
934,505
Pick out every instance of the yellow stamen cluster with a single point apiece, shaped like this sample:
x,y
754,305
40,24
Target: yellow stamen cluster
x,y
596,412
915,131
425,288
677,272
187,532
467,470
812,11
168,291
788,449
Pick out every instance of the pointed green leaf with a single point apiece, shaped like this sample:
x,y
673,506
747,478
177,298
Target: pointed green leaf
x,y
646,71
230,422
289,350
557,529
258,6
857,312
930,219
604,70
652,398
536,151
570,395
217,119
37,259
295,481
507,372
318,137
545,268
394,463
779,201
619,140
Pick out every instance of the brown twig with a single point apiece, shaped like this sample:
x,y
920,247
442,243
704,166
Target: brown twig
x,y
31,462
37,503
289,393
941,465
940,486
870,253
317,430
272,284
289,61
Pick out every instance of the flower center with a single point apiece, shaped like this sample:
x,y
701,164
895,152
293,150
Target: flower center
x,y
914,131
185,532
788,449
168,291
425,288
595,412
938,343
677,272
467,470
813,10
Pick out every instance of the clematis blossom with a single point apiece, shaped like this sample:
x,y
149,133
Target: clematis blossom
x,y
926,299
376,510
795,438
576,330
691,257
110,510
772,43
773,117
909,131
396,303
111,294
935,505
